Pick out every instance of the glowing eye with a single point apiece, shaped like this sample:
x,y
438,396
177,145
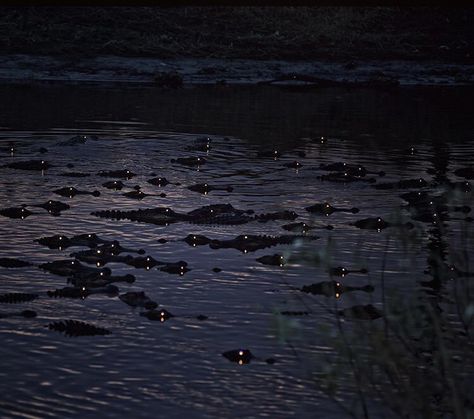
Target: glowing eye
x,y
50,202
60,238
42,161
147,268
113,245
205,185
98,252
22,210
98,264
89,235
240,362
194,237
72,263
83,288
245,237
199,159
379,219
241,353
101,274
182,267
148,259
212,210
70,189
245,250
167,209
276,152
337,295
162,313
128,171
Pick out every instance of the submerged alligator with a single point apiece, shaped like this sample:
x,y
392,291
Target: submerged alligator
x,y
71,192
378,224
53,207
327,209
74,328
245,242
122,174
116,185
349,169
59,241
13,263
223,214
205,188
16,212
37,165
403,184
333,288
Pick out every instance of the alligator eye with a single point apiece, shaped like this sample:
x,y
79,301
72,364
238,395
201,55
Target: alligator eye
x,y
148,259
42,161
128,171
379,220
162,313
198,159
147,268
22,210
212,210
167,210
241,353
101,274
337,295
245,237
98,264
60,238
83,288
98,252
72,263
50,202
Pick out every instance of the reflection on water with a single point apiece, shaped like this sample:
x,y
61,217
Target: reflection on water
x,y
211,283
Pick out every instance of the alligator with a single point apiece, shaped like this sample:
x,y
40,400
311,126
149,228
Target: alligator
x,y
327,209
13,263
403,184
138,299
138,194
83,292
77,140
158,181
28,314
239,356
196,240
74,328
30,165
361,312
205,188
465,172
342,272
190,161
279,215
343,177
53,207
116,185
349,169
251,243
74,268
159,216
159,314
16,212
72,192
17,297
275,154
293,165
332,288
302,228
274,260
59,241
122,174
179,268
100,282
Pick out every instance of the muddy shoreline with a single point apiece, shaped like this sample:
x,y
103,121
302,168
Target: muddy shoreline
x,y
109,69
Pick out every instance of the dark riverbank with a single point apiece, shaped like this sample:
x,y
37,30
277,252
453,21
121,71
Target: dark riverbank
x,y
269,33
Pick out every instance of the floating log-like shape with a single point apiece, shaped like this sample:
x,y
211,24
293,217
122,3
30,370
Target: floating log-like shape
x,y
138,299
74,328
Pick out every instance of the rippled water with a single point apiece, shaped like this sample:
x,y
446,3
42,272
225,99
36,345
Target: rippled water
x,y
176,368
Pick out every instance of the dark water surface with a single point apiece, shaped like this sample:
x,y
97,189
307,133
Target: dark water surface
x,y
175,368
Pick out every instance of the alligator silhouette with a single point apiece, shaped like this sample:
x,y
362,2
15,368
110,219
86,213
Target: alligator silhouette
x,y
116,185
75,328
69,191
349,169
158,181
28,314
327,209
59,241
30,165
190,161
122,174
53,207
17,297
303,227
403,184
205,188
138,299
74,269
378,224
332,288
77,140
13,263
220,214
361,312
273,260
157,314
16,212
83,292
